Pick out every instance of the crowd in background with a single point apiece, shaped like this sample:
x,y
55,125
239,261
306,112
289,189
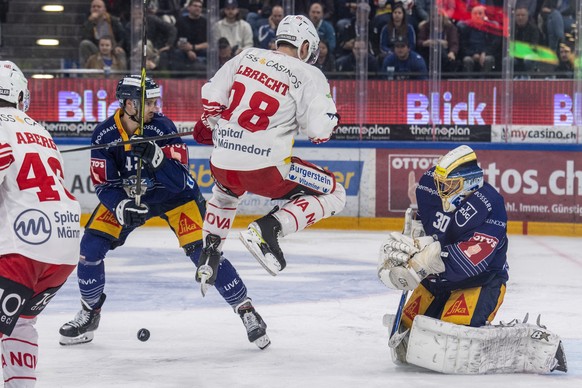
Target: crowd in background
x,y
399,37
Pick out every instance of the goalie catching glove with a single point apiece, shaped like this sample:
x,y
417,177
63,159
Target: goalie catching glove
x,y
404,261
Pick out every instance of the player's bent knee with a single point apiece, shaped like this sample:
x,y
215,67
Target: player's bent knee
x,y
93,249
12,303
337,200
222,199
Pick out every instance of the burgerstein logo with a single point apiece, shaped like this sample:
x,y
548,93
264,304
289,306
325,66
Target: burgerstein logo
x,y
33,227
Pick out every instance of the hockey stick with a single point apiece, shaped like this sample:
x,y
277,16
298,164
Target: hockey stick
x,y
131,141
395,337
143,94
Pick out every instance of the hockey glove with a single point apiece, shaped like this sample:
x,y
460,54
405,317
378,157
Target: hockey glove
x,y
412,227
202,134
128,213
396,251
149,152
426,262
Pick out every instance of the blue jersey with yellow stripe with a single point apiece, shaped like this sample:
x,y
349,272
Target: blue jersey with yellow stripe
x,y
473,238
114,169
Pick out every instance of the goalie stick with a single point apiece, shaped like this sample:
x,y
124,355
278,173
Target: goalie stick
x,y
396,337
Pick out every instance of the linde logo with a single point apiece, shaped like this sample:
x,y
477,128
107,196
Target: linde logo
x,y
33,227
420,109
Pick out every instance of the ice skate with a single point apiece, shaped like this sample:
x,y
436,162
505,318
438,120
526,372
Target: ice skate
x,y
209,262
254,324
262,240
560,363
80,329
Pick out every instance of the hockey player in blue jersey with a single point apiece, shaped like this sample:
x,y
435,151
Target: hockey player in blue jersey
x,y
168,191
454,257
459,275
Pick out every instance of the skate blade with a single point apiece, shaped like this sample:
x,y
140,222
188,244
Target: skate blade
x,y
81,339
204,273
252,242
263,342
203,284
397,338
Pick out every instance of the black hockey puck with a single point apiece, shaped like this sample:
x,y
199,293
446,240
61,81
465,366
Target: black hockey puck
x,y
143,335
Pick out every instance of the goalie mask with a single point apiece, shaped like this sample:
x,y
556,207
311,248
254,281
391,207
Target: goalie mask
x,y
14,86
456,176
296,29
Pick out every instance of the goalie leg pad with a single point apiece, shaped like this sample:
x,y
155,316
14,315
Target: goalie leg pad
x,y
455,349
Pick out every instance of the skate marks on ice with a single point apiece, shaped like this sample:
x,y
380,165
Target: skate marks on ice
x,y
324,315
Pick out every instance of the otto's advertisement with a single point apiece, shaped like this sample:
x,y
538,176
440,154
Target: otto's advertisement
x,y
537,185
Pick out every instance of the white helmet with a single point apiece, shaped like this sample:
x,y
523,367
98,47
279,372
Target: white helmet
x,y
296,29
12,84
457,175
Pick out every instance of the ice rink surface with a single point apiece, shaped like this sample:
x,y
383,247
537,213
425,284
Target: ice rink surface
x,y
324,315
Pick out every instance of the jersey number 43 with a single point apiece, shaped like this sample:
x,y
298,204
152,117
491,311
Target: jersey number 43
x,y
33,174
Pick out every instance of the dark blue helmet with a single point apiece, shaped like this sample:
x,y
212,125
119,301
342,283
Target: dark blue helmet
x,y
129,87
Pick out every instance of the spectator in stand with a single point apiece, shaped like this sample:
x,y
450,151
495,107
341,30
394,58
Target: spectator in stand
x,y
380,17
345,10
225,51
162,35
415,12
326,60
190,50
106,59
404,64
267,32
324,28
530,5
566,57
552,24
347,63
121,9
567,9
168,10
346,35
259,17
237,31
397,27
329,10
100,23
152,55
525,31
448,41
478,46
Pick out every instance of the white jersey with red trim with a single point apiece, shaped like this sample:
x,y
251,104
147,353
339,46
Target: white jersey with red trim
x,y
258,101
40,218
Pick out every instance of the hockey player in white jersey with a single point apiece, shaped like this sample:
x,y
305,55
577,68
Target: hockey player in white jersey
x,y
39,231
253,108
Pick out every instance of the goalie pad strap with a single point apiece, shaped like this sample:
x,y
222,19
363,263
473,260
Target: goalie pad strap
x,y
456,349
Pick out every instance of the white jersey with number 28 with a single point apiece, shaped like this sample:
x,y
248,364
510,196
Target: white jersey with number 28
x,y
268,97
40,218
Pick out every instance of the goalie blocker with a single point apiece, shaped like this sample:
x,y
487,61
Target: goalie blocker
x,y
516,347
